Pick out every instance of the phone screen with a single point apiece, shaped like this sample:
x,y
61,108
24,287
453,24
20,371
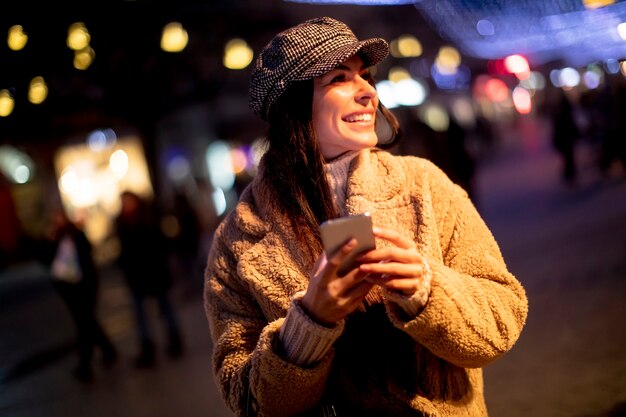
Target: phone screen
x,y
336,232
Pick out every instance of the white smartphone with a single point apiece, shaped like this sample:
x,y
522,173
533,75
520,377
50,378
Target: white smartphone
x,y
336,232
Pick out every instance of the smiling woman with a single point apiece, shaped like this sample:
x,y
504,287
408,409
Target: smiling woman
x,y
407,329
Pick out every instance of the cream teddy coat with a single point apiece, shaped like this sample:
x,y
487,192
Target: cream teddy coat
x,y
384,363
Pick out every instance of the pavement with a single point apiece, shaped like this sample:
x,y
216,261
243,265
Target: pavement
x,y
566,244
37,380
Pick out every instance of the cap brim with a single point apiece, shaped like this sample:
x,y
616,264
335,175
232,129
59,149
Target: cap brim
x,y
372,51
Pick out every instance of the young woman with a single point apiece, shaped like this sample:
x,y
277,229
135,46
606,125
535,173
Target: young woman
x,y
405,332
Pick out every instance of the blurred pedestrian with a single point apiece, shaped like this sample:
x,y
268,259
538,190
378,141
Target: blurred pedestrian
x,y
187,244
143,260
406,331
446,148
565,134
462,164
75,277
612,159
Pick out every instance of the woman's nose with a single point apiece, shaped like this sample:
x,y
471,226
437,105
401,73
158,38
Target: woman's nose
x,y
366,90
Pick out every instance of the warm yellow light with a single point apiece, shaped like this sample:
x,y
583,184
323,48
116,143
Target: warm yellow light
x,y
595,4
435,116
118,163
406,46
17,39
68,181
450,55
37,90
174,37
84,58
448,60
397,74
237,54
7,103
78,36
88,183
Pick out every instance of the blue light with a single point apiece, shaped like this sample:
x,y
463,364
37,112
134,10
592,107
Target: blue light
x,y
443,81
591,79
612,66
460,80
485,27
99,140
541,30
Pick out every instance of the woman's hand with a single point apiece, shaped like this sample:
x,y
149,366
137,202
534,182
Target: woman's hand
x,y
398,268
330,298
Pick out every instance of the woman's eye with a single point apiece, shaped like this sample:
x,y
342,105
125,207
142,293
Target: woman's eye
x,y
367,76
338,78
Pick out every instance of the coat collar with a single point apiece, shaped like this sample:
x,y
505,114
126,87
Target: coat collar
x,y
375,179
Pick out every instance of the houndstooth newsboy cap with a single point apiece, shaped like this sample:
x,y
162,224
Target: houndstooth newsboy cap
x,y
305,51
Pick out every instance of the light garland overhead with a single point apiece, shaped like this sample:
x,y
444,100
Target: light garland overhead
x,y
543,30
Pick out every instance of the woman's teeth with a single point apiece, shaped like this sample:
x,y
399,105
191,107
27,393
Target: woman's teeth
x,y
365,117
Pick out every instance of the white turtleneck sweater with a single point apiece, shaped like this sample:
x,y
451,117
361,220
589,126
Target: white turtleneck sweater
x,y
337,177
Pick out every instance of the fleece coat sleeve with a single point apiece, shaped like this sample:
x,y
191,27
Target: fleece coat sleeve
x,y
477,308
248,362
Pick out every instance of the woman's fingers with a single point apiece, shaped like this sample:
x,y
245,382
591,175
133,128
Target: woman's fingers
x,y
391,253
398,267
394,237
329,297
402,278
394,269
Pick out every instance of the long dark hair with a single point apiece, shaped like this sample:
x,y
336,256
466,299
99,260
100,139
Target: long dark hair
x,y
295,165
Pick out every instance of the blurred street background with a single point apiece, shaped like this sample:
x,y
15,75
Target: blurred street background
x,y
523,106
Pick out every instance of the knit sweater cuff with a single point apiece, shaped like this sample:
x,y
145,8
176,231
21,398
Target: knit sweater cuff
x,y
305,341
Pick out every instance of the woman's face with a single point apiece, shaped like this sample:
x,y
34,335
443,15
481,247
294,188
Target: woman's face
x,y
344,109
